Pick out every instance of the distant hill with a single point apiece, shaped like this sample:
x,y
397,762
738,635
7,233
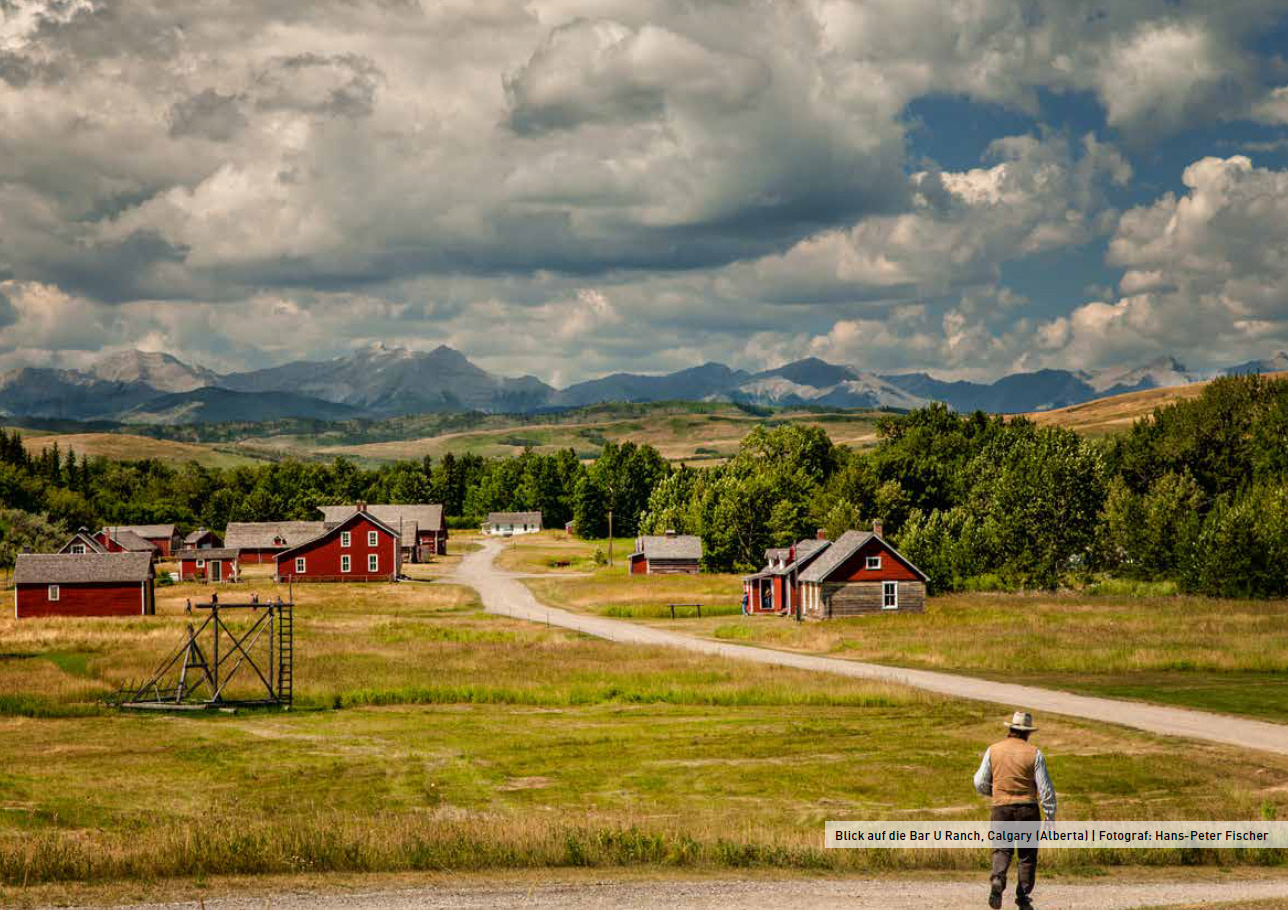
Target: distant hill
x,y
211,405
694,384
160,371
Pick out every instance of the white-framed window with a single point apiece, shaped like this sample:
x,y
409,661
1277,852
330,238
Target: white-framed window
x,y
874,562
201,563
373,562
53,592
345,538
373,538
345,563
299,564
78,549
889,595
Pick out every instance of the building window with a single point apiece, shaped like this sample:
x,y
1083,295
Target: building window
x,y
372,538
344,538
344,563
373,562
299,564
874,562
78,549
53,592
201,563
890,595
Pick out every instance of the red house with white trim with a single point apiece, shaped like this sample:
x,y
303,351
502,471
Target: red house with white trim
x,y
83,584
861,573
358,548
209,564
423,528
776,588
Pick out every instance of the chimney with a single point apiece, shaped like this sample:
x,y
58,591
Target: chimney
x,y
877,527
670,532
822,534
360,506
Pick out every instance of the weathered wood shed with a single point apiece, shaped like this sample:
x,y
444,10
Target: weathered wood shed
x,y
667,554
861,573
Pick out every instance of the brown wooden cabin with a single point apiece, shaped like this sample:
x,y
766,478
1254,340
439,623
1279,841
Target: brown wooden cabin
x,y
861,573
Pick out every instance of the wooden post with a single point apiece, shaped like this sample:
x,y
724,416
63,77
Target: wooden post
x,y
610,537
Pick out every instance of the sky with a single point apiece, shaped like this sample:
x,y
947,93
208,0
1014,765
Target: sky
x,y
567,188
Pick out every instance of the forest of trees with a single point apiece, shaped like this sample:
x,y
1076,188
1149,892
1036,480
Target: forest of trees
x,y
1197,495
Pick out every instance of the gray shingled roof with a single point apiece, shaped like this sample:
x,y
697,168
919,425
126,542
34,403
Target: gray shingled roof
x,y
679,546
329,526
130,540
518,518
258,535
84,537
197,535
65,569
846,546
211,553
425,515
148,531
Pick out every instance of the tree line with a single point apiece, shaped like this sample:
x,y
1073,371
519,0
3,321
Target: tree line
x,y
1197,494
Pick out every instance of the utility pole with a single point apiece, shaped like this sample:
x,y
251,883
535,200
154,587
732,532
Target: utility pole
x,y
610,537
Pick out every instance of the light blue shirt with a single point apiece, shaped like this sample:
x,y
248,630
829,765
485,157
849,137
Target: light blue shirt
x,y
1046,792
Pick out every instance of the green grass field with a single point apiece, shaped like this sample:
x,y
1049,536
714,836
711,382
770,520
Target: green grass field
x,y
1219,655
429,736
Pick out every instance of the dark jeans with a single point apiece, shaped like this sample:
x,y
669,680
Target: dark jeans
x,y
1028,866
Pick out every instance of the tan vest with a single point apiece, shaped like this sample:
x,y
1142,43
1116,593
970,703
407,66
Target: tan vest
x,y
1014,781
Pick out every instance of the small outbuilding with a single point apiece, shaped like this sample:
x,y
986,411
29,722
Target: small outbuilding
x,y
861,573
213,564
666,554
506,524
202,539
84,584
359,548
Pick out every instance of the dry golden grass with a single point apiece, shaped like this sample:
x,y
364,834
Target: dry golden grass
x,y
1117,413
127,446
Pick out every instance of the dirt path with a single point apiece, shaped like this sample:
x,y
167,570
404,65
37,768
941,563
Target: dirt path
x,y
722,894
505,594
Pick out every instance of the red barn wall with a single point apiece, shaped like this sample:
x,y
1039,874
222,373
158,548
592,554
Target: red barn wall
x,y
892,568
322,557
162,543
82,599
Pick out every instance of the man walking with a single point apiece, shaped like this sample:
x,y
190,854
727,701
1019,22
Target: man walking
x,y
1014,774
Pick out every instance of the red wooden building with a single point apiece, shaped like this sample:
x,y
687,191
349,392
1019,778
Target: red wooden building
x,y
422,526
85,584
669,554
359,548
861,573
82,542
163,537
209,564
202,539
123,540
261,541
776,588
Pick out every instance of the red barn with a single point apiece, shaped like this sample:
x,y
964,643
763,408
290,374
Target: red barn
x,y
123,540
261,541
87,584
669,554
209,564
422,526
861,573
162,537
202,539
359,548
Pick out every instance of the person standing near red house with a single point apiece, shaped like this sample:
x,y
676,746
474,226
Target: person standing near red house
x,y
1014,774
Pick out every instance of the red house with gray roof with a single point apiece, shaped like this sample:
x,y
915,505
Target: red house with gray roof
x,y
668,554
261,541
861,573
124,540
163,537
421,526
359,548
776,588
83,584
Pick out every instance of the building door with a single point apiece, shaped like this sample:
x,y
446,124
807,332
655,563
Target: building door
x,y
216,570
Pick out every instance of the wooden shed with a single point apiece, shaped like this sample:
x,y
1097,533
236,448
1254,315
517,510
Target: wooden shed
x,y
84,584
212,564
861,573
667,554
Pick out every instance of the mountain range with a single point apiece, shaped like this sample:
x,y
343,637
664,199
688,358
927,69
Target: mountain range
x,y
137,387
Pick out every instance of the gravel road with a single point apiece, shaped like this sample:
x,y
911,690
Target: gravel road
x,y
505,594
727,894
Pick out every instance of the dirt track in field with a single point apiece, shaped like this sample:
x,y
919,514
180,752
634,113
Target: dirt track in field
x,y
729,894
504,594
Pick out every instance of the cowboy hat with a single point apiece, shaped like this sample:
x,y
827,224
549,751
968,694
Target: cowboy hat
x,y
1021,720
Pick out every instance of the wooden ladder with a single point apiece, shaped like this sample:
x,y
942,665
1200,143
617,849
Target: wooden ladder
x,y
285,652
